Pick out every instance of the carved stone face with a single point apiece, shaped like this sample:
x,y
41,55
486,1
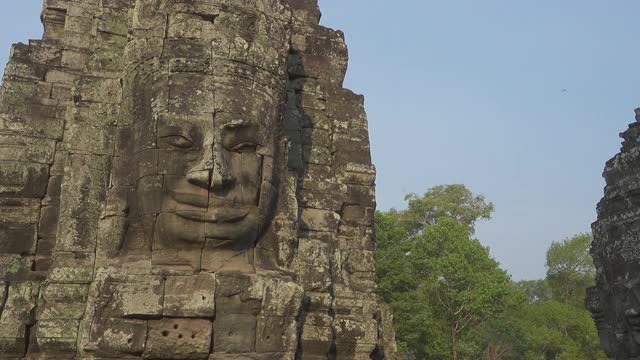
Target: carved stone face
x,y
599,306
631,313
208,115
220,163
626,290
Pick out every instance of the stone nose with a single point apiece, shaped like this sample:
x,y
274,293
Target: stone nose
x,y
212,172
199,178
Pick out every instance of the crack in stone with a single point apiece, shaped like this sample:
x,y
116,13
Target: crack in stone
x,y
5,297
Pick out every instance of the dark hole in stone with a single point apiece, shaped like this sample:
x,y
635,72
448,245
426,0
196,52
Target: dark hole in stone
x,y
193,336
204,298
175,326
230,333
208,17
129,340
180,336
165,333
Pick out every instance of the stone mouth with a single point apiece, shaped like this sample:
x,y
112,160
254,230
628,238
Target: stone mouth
x,y
219,215
191,200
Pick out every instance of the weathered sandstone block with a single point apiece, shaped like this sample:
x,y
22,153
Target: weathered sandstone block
x,y
186,180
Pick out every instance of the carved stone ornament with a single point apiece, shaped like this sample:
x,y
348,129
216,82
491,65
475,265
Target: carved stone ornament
x,y
186,179
615,301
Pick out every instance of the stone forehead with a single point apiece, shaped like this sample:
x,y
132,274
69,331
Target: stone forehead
x,y
277,9
256,81
246,47
255,33
166,123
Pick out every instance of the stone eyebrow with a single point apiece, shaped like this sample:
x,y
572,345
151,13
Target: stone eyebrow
x,y
236,124
168,130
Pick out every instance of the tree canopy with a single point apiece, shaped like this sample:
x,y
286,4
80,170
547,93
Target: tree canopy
x,y
445,201
440,280
570,268
452,300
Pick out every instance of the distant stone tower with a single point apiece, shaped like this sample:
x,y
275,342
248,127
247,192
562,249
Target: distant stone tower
x,y
186,179
615,301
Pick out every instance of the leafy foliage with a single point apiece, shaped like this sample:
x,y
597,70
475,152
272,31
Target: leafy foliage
x,y
452,300
535,290
570,269
440,281
445,201
554,330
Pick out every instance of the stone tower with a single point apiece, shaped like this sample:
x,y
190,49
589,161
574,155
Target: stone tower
x,y
186,179
615,301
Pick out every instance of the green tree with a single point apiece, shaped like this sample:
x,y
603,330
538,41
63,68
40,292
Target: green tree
x,y
570,269
554,324
451,300
545,330
441,282
535,290
468,285
451,201
500,338
554,330
441,285
392,267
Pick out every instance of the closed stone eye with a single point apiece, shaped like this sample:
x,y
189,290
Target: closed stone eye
x,y
245,147
179,141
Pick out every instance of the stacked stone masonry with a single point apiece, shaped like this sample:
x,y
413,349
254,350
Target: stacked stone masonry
x,y
186,179
615,300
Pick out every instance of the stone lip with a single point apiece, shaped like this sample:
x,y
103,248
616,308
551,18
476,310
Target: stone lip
x,y
216,215
195,200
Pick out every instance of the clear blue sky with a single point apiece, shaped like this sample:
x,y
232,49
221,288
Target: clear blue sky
x,y
522,101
